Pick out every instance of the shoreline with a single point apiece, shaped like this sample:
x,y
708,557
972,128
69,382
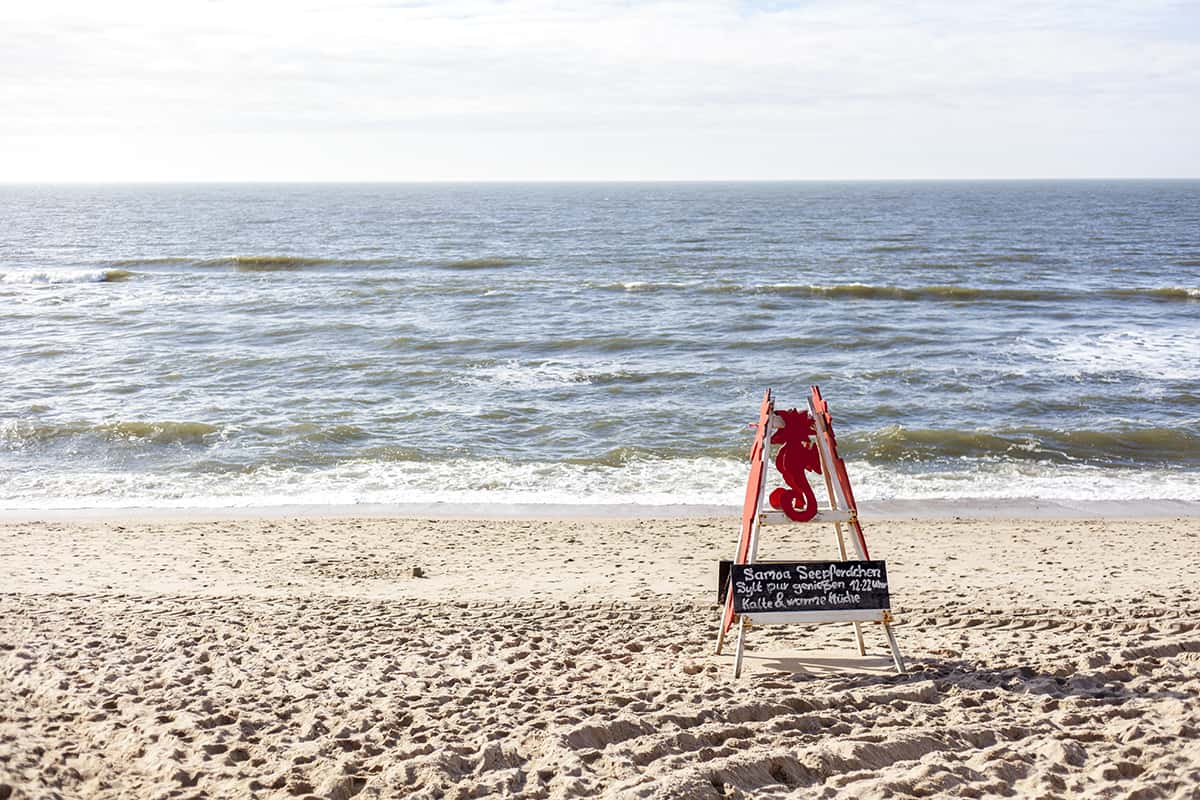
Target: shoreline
x,y
938,509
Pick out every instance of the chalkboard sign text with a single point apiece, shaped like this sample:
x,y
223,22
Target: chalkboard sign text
x,y
789,586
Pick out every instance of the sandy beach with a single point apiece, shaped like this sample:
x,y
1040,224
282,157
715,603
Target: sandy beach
x,y
300,657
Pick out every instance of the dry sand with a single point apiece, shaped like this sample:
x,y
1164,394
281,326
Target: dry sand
x,y
300,657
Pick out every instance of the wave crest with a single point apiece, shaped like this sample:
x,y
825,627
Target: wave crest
x,y
870,292
21,434
60,276
272,263
1132,447
151,261
482,263
280,263
642,286
1175,293
494,483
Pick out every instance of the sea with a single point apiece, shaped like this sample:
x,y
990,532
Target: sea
x,y
472,348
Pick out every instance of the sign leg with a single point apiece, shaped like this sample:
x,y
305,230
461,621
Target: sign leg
x,y
841,539
741,647
896,657
727,617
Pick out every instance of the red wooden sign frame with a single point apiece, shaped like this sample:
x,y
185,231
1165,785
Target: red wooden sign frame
x,y
753,493
821,409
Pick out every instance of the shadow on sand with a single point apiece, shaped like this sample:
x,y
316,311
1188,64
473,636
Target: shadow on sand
x,y
852,671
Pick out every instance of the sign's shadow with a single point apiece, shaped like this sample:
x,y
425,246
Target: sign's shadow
x,y
819,665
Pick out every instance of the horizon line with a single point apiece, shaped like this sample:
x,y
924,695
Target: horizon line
x,y
598,181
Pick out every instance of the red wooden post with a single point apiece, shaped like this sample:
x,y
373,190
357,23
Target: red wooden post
x,y
821,408
753,490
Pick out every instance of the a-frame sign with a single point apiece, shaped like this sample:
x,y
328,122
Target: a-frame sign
x,y
805,592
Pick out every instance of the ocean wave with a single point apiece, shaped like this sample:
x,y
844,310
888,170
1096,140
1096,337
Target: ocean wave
x,y
60,276
310,433
641,286
333,434
283,263
151,261
20,434
482,263
266,262
160,432
1165,293
950,293
943,293
863,291
1158,447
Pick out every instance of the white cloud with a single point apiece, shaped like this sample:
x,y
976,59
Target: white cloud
x,y
597,90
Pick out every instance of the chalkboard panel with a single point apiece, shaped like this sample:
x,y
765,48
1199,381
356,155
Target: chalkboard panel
x,y
791,586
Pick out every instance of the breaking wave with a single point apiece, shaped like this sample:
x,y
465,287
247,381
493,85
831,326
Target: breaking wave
x,y
1161,447
59,276
24,434
641,286
469,486
868,292
1166,293
862,291
273,263
251,263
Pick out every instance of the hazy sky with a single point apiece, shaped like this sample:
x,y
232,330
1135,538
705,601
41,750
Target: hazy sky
x,y
704,89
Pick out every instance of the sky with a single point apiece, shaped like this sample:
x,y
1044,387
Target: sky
x,y
598,90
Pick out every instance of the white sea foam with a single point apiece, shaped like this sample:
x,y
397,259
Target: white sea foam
x,y
1159,354
643,286
649,286
701,481
514,374
1024,481
650,483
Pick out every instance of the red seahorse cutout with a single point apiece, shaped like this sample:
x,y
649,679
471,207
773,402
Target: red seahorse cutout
x,y
797,455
